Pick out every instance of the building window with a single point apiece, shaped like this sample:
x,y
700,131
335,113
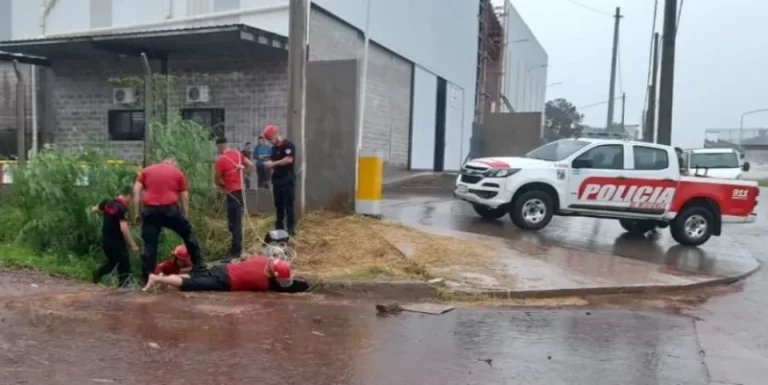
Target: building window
x,y
225,5
126,124
213,118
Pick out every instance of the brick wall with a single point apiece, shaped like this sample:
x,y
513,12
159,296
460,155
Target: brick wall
x,y
388,94
251,88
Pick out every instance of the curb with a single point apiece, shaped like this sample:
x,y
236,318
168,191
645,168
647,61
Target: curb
x,y
607,290
401,290
417,290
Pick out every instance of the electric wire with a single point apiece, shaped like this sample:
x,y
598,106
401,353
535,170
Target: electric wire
x,y
587,7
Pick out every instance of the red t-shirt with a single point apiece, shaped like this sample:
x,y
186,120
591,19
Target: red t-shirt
x,y
170,267
248,275
226,166
163,182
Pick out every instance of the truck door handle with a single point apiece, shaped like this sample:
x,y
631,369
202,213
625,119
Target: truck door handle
x,y
621,177
667,180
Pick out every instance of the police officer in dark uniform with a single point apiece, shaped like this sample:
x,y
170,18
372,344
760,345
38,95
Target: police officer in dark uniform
x,y
283,178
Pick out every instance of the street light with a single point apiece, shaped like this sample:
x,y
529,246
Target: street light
x,y
741,126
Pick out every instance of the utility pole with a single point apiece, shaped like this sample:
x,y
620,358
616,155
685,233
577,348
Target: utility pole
x,y
650,119
623,106
297,72
667,81
614,60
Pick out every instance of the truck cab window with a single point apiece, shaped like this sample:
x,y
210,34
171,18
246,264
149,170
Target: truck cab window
x,y
606,157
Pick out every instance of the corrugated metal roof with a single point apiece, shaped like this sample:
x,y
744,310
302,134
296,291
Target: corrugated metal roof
x,y
157,42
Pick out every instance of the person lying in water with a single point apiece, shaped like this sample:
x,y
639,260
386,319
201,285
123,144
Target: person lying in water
x,y
179,261
255,273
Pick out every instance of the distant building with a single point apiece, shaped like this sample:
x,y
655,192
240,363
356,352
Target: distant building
x,y
753,142
631,132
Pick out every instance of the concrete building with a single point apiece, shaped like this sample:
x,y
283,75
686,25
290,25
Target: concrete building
x,y
231,59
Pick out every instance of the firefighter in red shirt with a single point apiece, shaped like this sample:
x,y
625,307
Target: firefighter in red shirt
x,y
231,165
256,273
178,262
163,186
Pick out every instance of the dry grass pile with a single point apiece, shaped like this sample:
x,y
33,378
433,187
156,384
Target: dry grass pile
x,y
355,247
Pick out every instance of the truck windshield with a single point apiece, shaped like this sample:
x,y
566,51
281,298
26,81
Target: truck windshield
x,y
557,150
714,160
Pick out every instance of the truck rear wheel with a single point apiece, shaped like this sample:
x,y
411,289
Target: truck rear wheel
x,y
637,226
488,212
532,210
693,226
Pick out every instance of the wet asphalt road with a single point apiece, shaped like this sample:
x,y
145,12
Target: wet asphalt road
x,y
718,336
129,339
730,322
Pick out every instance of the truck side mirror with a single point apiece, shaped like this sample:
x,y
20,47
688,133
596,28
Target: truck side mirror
x,y
582,163
746,166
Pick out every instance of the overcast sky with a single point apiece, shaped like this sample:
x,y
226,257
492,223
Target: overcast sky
x,y
721,62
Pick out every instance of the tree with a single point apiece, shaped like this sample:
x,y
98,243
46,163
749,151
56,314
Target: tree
x,y
563,120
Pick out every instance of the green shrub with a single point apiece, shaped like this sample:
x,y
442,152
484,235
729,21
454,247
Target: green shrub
x,y
51,204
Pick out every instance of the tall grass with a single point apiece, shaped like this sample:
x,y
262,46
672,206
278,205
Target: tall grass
x,y
48,208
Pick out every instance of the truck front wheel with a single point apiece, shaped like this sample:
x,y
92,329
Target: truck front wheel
x,y
487,212
693,226
637,226
532,210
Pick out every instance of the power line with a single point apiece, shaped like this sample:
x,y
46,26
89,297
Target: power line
x,y
587,7
679,13
597,104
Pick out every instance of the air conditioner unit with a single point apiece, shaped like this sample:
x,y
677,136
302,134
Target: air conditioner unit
x,y
198,94
124,95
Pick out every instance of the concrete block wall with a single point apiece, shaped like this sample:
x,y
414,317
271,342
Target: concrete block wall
x,y
388,88
251,90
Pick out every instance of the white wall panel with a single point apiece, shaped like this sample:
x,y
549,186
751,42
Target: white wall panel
x,y
525,70
423,126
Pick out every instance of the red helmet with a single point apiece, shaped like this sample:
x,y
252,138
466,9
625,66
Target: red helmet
x,y
269,132
181,252
282,270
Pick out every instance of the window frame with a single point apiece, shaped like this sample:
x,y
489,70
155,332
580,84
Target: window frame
x,y
113,116
635,147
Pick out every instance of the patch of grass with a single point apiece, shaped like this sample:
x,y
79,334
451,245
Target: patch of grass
x,y
68,266
763,182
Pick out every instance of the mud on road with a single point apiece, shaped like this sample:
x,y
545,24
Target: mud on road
x,y
87,336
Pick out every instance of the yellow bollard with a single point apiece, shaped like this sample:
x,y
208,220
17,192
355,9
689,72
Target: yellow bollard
x,y
369,180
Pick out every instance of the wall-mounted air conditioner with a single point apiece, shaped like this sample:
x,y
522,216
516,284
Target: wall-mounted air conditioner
x,y
124,95
198,94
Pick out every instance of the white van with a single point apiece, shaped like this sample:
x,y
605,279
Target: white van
x,y
723,163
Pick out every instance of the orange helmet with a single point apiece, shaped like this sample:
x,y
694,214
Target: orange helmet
x,y
282,271
181,252
269,132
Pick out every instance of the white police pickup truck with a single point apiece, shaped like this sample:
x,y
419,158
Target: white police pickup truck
x,y
638,183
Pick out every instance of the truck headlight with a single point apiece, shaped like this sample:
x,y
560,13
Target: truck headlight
x,y
501,172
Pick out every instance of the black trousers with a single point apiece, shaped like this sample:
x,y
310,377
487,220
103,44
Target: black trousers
x,y
117,256
213,279
284,194
235,210
153,220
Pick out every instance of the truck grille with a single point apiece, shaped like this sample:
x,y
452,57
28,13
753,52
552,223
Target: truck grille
x,y
472,179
